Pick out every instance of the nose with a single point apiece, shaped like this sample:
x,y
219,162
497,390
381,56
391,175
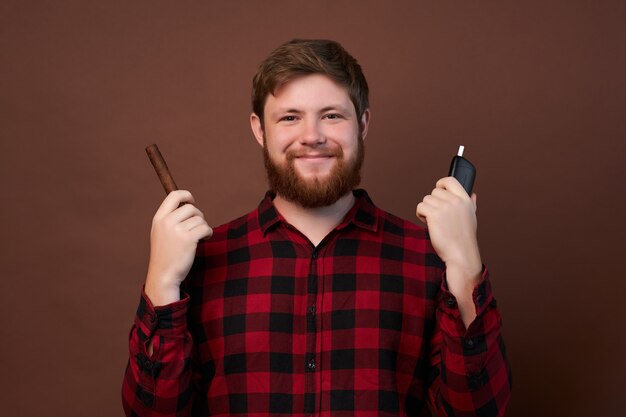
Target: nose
x,y
312,134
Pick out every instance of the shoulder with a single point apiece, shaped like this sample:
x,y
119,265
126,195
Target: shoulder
x,y
412,237
370,216
237,232
397,225
227,246
408,242
393,225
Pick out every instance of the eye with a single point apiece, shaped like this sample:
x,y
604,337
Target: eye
x,y
333,116
288,118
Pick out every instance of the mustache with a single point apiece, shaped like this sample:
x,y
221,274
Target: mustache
x,y
291,155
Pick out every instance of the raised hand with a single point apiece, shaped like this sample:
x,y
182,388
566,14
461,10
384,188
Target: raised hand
x,y
176,230
450,215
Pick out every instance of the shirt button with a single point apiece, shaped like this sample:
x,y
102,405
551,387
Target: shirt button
x,y
151,318
311,310
147,398
312,364
469,343
450,302
479,299
314,255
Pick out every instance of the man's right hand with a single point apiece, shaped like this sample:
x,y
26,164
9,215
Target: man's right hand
x,y
173,240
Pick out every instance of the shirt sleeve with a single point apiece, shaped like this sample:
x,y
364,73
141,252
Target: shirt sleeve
x,y
161,383
470,373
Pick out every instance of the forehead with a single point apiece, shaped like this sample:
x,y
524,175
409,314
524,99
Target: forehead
x,y
309,91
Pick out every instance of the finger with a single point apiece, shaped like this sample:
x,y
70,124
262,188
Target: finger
x,y
204,231
423,210
185,212
442,194
434,201
172,201
419,214
192,222
453,185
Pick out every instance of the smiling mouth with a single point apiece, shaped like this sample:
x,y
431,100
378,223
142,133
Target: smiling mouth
x,y
318,155
315,159
314,156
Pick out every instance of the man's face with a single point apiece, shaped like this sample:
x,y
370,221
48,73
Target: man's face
x,y
312,141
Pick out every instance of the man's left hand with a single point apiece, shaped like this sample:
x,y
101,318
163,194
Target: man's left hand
x,y
450,215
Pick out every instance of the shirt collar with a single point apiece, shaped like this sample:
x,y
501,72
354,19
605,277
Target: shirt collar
x,y
363,214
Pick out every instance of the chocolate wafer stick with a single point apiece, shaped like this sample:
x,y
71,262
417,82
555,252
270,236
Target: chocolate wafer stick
x,y
161,168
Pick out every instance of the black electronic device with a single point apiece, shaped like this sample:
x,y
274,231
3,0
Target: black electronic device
x,y
463,171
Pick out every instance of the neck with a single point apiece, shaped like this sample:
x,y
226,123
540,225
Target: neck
x,y
314,223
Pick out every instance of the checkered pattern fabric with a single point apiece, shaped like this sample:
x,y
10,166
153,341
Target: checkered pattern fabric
x,y
361,325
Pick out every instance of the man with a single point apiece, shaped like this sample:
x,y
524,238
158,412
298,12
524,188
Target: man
x,y
317,302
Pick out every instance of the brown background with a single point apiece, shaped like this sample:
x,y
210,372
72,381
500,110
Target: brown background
x,y
535,90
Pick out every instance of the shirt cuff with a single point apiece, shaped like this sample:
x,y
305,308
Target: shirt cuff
x,y
482,296
166,320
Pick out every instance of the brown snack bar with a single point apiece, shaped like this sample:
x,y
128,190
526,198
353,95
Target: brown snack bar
x,y
161,168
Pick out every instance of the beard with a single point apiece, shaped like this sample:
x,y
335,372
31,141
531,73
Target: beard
x,y
315,192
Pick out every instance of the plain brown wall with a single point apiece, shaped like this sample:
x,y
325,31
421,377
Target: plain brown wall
x,y
535,90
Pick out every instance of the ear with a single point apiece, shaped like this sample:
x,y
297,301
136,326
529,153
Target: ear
x,y
365,122
257,129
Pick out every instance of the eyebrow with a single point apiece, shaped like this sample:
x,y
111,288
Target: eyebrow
x,y
335,107
323,110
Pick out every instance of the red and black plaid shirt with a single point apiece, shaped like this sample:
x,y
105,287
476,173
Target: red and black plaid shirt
x,y
361,325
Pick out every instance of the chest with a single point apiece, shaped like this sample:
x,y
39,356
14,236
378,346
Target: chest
x,y
282,296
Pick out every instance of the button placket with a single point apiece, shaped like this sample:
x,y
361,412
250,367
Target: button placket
x,y
310,312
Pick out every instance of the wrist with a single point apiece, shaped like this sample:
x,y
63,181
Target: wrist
x,y
468,272
161,292
462,279
468,264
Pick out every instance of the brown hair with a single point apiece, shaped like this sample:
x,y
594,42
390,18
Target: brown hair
x,y
309,56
